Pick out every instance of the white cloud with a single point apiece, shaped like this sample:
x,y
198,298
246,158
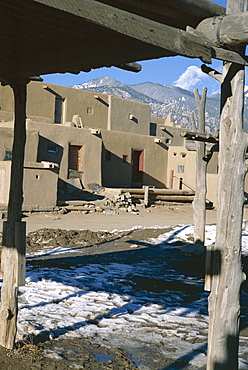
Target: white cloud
x,y
191,77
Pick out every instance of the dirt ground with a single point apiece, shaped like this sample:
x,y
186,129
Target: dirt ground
x,y
60,229
169,214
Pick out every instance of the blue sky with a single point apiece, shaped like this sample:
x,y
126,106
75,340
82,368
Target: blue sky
x,y
180,71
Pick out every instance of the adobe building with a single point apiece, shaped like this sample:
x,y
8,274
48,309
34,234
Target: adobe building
x,y
76,138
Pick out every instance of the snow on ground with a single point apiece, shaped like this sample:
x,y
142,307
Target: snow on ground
x,y
86,301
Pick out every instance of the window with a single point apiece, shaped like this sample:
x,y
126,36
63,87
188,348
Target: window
x,y
108,155
180,169
8,155
124,158
52,149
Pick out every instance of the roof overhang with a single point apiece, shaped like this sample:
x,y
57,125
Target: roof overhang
x,y
48,36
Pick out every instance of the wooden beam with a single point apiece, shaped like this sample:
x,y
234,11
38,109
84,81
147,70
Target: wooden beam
x,y
218,52
212,72
226,30
150,32
191,12
198,136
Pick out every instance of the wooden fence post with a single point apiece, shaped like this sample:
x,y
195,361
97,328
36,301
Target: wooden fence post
x,y
12,241
224,300
199,204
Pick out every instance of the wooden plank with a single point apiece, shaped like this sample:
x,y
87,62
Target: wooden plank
x,y
134,26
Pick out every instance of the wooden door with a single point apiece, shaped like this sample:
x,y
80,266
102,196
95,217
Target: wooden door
x,y
137,167
75,157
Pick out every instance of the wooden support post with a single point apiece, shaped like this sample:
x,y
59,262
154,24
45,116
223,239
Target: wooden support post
x,y
146,196
11,241
227,277
199,204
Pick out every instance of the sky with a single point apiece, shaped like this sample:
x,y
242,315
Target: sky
x,y
180,71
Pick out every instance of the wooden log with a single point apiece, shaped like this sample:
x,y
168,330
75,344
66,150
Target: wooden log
x,y
218,52
158,191
226,30
224,300
196,136
199,205
169,198
9,307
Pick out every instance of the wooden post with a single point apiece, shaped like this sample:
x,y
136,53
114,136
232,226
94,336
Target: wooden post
x,y
199,205
224,300
11,243
146,196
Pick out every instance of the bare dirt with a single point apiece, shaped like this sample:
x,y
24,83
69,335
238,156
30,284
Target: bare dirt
x,y
79,230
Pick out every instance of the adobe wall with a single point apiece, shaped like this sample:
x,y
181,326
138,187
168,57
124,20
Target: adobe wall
x,y
61,137
41,100
118,173
39,185
35,185
167,129
183,163
129,116
6,142
5,170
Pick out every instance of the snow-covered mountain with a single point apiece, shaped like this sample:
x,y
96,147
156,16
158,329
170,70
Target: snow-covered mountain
x,y
163,99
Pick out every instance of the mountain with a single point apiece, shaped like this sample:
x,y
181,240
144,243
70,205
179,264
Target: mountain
x,y
163,100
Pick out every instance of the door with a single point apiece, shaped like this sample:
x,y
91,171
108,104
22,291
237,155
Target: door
x,y
75,159
137,167
59,109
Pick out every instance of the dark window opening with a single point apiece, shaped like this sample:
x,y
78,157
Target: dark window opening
x,y
59,108
8,155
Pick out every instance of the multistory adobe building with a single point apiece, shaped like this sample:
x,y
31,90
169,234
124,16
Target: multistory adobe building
x,y
77,139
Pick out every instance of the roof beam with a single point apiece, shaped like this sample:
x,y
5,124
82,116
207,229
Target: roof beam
x,y
227,31
153,33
